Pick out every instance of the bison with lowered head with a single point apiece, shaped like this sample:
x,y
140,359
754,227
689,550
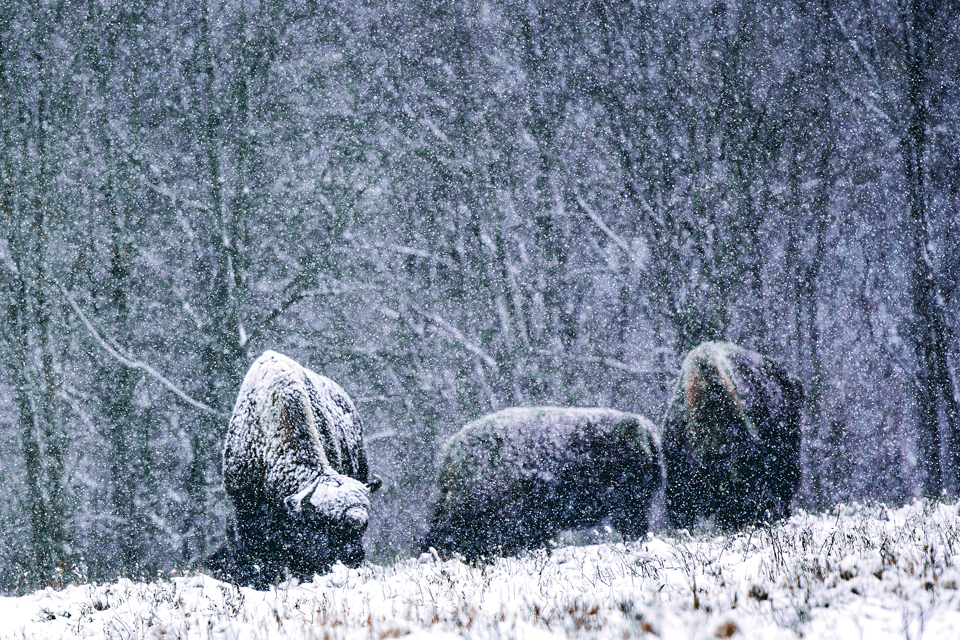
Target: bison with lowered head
x,y
731,438
513,479
295,467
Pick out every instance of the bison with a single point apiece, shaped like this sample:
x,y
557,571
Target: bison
x,y
511,480
731,438
295,468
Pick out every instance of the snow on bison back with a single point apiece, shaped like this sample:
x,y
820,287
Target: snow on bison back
x,y
295,468
731,438
512,479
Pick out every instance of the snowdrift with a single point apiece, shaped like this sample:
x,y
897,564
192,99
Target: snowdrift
x,y
857,571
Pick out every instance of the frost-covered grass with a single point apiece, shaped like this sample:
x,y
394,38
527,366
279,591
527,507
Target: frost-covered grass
x,y
857,571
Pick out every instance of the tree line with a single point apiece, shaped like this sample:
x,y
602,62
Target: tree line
x,y
450,208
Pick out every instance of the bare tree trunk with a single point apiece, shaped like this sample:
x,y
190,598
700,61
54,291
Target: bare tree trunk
x,y
820,465
30,158
43,442
931,334
126,436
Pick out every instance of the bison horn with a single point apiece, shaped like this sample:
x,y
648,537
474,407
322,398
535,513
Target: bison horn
x,y
295,502
375,483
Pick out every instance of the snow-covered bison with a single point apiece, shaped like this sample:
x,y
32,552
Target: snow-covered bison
x,y
731,438
295,467
512,479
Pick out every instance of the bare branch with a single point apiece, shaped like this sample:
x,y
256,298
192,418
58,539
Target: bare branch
x,y
866,65
610,362
161,188
401,249
454,333
173,196
380,435
869,104
299,295
136,364
427,122
620,242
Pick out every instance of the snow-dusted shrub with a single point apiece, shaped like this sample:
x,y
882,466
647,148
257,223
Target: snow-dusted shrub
x,y
295,467
731,438
513,479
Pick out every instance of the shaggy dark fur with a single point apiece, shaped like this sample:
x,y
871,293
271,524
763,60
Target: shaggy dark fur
x,y
295,468
731,438
511,480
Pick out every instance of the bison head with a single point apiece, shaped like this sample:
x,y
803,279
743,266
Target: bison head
x,y
336,508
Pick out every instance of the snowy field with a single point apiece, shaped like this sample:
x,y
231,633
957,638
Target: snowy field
x,y
856,572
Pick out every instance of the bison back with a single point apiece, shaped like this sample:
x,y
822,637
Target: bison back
x,y
512,479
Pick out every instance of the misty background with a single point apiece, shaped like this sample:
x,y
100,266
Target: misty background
x,y
451,208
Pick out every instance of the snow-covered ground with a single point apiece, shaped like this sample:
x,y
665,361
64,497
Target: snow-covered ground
x,y
860,571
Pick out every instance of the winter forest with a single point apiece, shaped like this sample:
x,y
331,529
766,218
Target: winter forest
x,y
451,208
